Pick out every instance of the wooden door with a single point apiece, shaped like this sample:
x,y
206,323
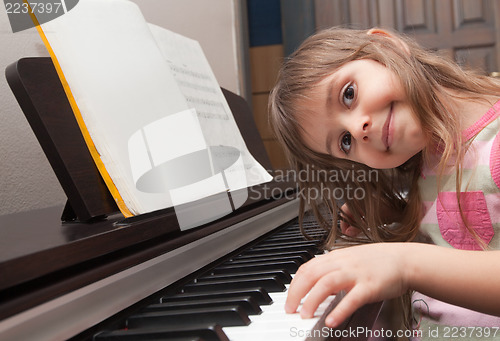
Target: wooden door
x,y
466,30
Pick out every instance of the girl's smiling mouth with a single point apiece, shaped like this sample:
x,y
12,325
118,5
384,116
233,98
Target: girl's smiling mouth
x,y
386,130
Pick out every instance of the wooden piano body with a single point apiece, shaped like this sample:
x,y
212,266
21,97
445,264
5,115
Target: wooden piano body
x,y
76,276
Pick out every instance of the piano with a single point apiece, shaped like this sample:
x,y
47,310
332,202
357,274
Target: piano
x,y
91,274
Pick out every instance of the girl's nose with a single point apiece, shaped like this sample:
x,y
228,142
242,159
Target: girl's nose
x,y
361,131
365,131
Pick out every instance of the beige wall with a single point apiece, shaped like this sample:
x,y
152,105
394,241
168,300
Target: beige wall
x,y
26,179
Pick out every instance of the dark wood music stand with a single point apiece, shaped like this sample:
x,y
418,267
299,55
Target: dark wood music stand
x,y
37,88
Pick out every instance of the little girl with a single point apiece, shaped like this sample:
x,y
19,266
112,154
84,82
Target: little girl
x,y
353,101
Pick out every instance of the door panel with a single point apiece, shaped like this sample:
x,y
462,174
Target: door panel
x,y
467,30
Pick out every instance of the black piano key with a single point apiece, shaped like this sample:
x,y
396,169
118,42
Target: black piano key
x,y
248,261
224,315
285,239
258,294
299,246
298,258
204,332
293,232
277,245
305,254
289,237
263,250
283,275
269,283
290,234
247,303
288,265
155,337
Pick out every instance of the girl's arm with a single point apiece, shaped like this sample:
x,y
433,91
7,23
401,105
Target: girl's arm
x,y
376,272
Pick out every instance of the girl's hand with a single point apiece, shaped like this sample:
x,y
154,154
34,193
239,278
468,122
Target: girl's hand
x,y
368,273
347,229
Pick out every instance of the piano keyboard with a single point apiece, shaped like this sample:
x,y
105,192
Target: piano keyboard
x,y
240,299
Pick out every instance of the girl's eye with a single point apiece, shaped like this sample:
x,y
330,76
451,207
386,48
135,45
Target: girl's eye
x,y
348,95
345,143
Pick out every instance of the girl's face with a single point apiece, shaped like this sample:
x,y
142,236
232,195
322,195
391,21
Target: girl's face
x,y
361,113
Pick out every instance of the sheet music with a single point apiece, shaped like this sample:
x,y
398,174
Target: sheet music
x,y
199,86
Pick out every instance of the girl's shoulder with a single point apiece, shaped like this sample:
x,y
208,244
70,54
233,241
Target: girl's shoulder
x,y
486,142
485,121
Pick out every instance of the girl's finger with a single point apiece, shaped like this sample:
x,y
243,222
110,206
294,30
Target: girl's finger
x,y
344,226
327,285
351,302
305,278
352,231
299,287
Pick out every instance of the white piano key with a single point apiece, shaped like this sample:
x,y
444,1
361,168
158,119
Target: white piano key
x,y
274,324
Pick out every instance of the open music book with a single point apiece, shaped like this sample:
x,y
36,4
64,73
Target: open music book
x,y
152,113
